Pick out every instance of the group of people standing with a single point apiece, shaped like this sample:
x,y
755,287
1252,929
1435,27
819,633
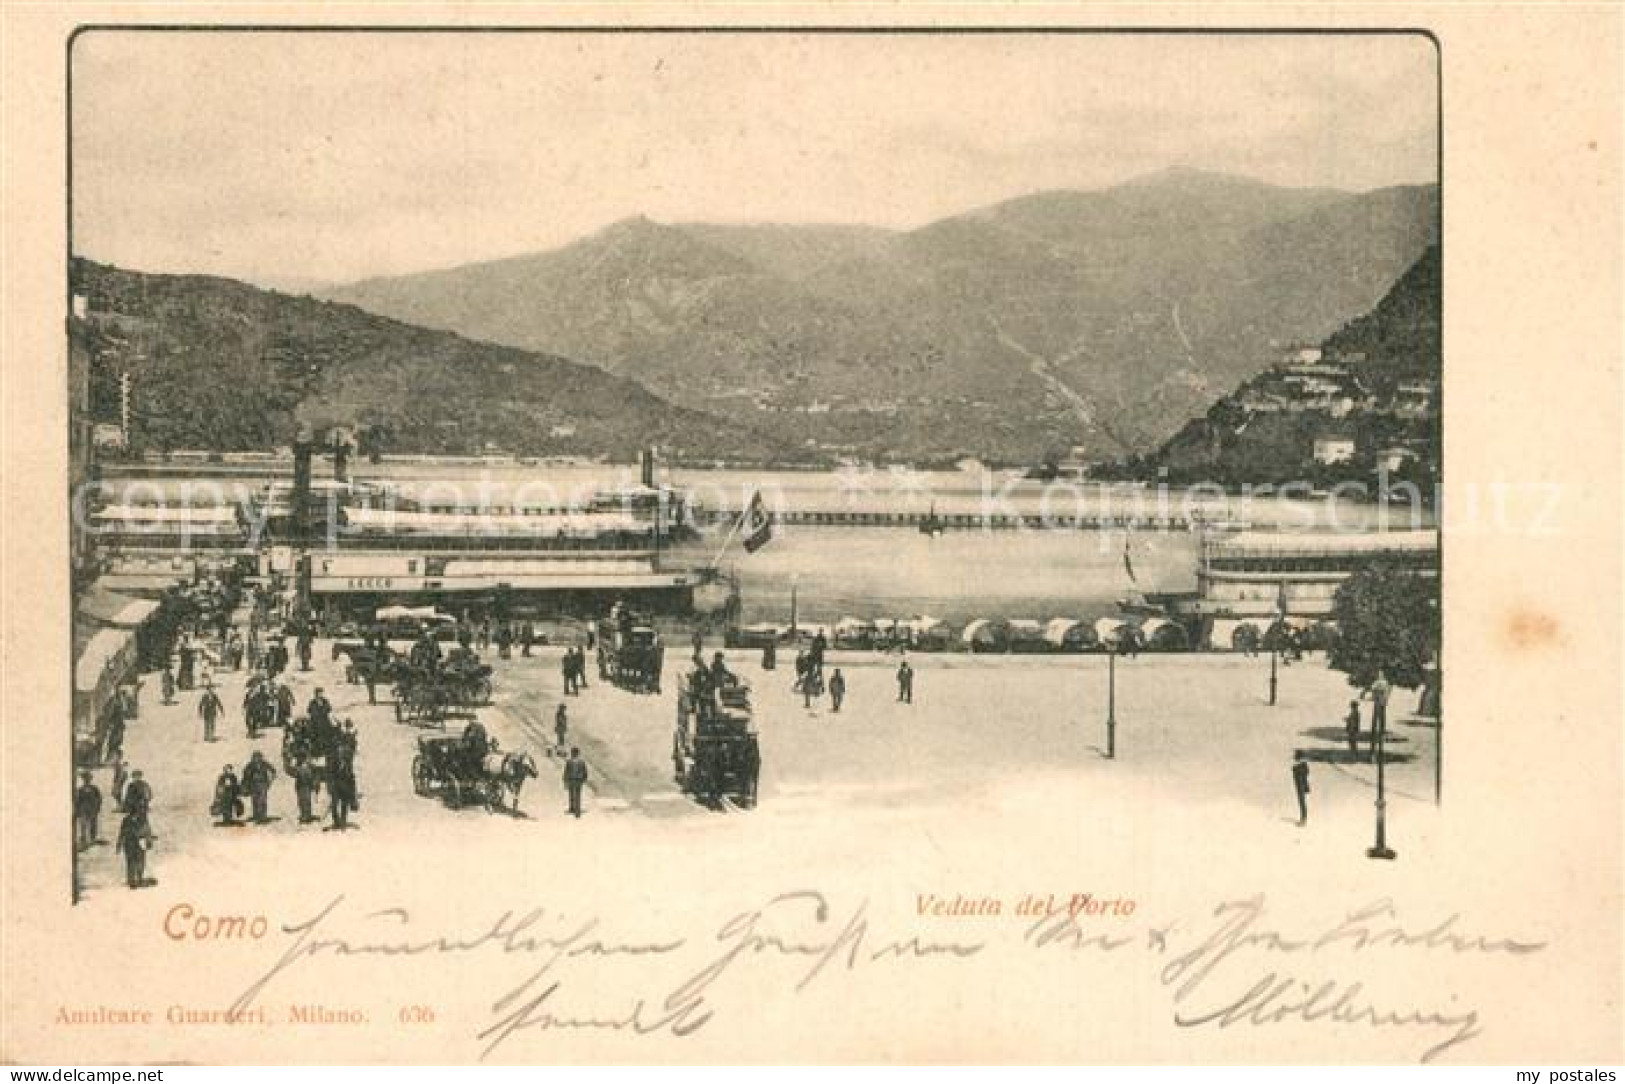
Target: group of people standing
x,y
132,797
574,665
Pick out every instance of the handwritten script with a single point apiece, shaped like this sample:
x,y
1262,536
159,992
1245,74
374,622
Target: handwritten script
x,y
1236,966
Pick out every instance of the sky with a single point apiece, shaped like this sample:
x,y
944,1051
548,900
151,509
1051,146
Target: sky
x,y
285,158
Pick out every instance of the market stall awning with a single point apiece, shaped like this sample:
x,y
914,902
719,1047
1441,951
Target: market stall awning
x,y
102,656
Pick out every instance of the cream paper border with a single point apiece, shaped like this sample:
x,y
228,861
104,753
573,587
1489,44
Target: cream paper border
x,y
1528,842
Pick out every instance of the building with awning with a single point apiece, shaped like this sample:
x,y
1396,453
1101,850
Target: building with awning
x,y
112,632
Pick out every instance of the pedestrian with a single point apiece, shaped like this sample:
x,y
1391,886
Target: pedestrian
x,y
129,698
369,674
137,796
87,812
341,788
210,708
581,667
257,777
504,641
575,777
320,713
699,644
527,637
568,664
905,683
169,683
1300,785
592,640
305,785
1351,729
205,670
770,656
228,797
276,658
304,651
485,635
284,703
134,838
561,726
837,690
120,776
113,740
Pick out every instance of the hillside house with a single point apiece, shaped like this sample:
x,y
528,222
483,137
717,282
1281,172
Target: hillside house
x,y
1332,448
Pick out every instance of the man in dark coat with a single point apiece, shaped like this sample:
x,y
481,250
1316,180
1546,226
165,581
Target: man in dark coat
x,y
284,703
134,837
228,797
1351,728
115,734
527,637
87,811
905,683
581,668
257,776
568,666
276,659
1300,785
320,713
561,725
138,796
305,785
504,641
210,707
121,775
341,787
575,777
837,690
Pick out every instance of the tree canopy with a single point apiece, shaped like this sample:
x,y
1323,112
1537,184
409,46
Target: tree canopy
x,y
1387,621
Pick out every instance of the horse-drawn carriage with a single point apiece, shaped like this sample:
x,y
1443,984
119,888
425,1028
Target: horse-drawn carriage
x,y
427,692
368,664
630,653
469,768
715,752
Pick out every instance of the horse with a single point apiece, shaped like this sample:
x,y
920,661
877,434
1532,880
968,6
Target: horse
x,y
506,772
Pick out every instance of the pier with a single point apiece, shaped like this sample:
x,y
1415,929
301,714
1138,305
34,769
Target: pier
x,y
960,521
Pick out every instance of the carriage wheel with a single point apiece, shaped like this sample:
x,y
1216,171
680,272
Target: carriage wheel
x,y
420,775
493,793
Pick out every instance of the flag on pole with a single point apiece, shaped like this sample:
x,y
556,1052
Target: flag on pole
x,y
756,524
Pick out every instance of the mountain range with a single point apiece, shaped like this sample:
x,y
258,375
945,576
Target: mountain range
x,y
1104,319
220,365
1266,429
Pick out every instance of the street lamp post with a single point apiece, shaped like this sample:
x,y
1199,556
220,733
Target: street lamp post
x,y
1381,848
1111,702
1275,650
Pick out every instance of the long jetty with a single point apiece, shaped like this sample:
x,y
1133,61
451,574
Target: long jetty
x,y
978,521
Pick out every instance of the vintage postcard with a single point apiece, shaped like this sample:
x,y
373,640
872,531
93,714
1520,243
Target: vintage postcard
x,y
812,535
